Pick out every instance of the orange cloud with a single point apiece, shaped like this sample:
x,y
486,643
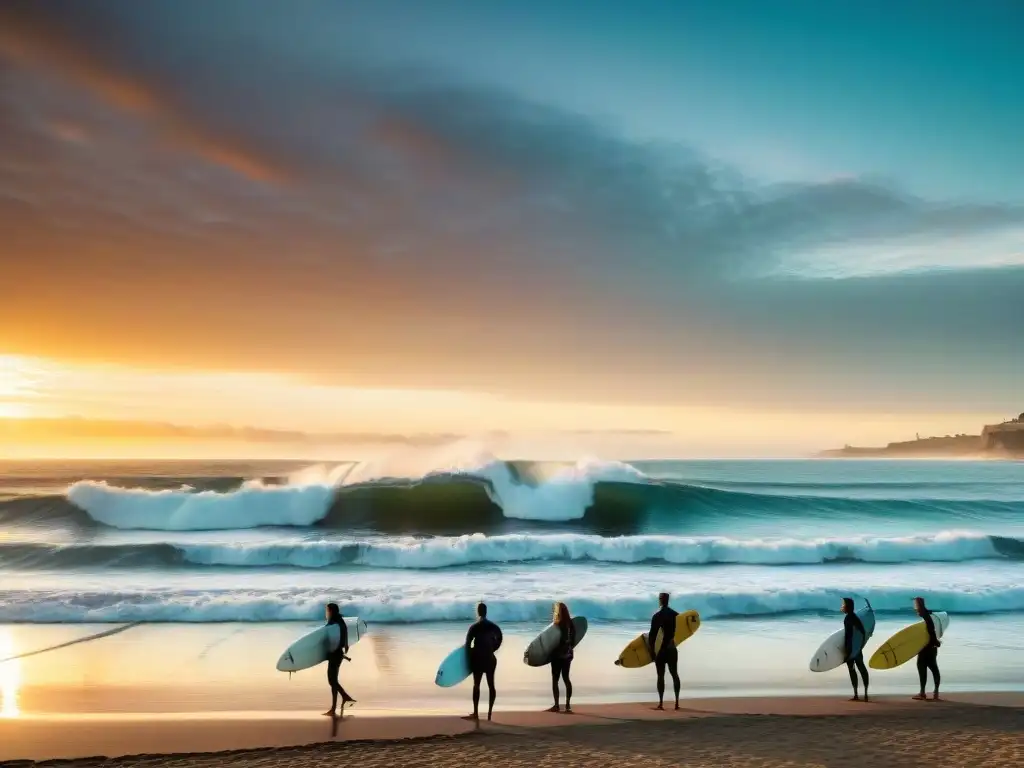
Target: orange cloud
x,y
29,41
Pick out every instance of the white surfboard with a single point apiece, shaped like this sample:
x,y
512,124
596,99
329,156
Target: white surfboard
x,y
832,653
311,649
538,653
454,669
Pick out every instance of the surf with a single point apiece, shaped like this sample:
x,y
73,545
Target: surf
x,y
408,553
446,503
352,493
89,606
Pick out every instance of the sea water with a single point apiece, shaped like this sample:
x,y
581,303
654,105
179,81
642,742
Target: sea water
x,y
749,544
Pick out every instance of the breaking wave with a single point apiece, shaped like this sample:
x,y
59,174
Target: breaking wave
x,y
201,606
486,495
479,549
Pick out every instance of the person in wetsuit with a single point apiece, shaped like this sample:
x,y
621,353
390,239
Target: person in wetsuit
x,y
561,660
482,641
668,656
929,657
337,650
852,624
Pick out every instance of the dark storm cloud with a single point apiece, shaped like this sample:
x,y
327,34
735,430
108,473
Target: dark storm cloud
x,y
408,186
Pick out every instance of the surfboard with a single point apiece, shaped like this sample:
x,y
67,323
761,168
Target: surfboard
x,y
538,653
638,653
454,669
311,649
832,652
907,643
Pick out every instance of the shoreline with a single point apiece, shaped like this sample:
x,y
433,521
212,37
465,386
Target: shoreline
x,y
281,737
210,668
189,689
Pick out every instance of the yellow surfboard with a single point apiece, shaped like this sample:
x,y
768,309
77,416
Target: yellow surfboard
x,y
907,643
638,652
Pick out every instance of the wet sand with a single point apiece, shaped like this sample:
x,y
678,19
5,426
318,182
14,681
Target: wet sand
x,y
748,699
202,668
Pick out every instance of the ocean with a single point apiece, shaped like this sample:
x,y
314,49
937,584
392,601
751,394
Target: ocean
x,y
425,536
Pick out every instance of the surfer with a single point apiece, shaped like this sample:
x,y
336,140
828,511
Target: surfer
x,y
561,659
482,641
337,650
851,624
668,656
928,658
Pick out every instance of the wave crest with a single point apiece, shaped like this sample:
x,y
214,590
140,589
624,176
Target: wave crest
x,y
519,491
201,606
478,549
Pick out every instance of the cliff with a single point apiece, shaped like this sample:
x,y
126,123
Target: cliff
x,y
1004,440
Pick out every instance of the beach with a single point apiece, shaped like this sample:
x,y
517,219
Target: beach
x,y
201,688
985,730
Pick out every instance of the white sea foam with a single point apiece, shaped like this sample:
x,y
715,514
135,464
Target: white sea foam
x,y
199,606
449,551
251,506
564,493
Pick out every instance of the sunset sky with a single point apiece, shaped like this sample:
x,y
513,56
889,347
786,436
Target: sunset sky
x,y
762,232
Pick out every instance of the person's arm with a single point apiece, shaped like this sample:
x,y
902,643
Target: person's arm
x,y
654,631
343,629
848,638
470,634
932,637
498,637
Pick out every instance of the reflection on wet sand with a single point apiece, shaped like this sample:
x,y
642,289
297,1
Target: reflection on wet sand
x,y
10,675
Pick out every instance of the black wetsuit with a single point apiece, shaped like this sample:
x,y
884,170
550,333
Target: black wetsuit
x,y
334,664
482,641
561,661
929,657
851,624
668,658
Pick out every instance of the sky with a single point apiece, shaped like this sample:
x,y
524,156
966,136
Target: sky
x,y
757,228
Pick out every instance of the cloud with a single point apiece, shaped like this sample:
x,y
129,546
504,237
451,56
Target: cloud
x,y
33,35
417,226
72,429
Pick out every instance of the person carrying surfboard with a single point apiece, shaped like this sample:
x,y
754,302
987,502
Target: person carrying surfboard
x,y
928,658
337,650
852,624
561,659
482,641
668,655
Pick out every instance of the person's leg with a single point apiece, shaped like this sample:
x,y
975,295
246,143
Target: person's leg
x,y
345,698
332,680
933,665
863,674
556,671
659,665
673,668
922,673
490,687
477,677
853,680
568,684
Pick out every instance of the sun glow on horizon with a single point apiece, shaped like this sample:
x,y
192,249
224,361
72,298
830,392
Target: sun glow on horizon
x,y
18,376
52,407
